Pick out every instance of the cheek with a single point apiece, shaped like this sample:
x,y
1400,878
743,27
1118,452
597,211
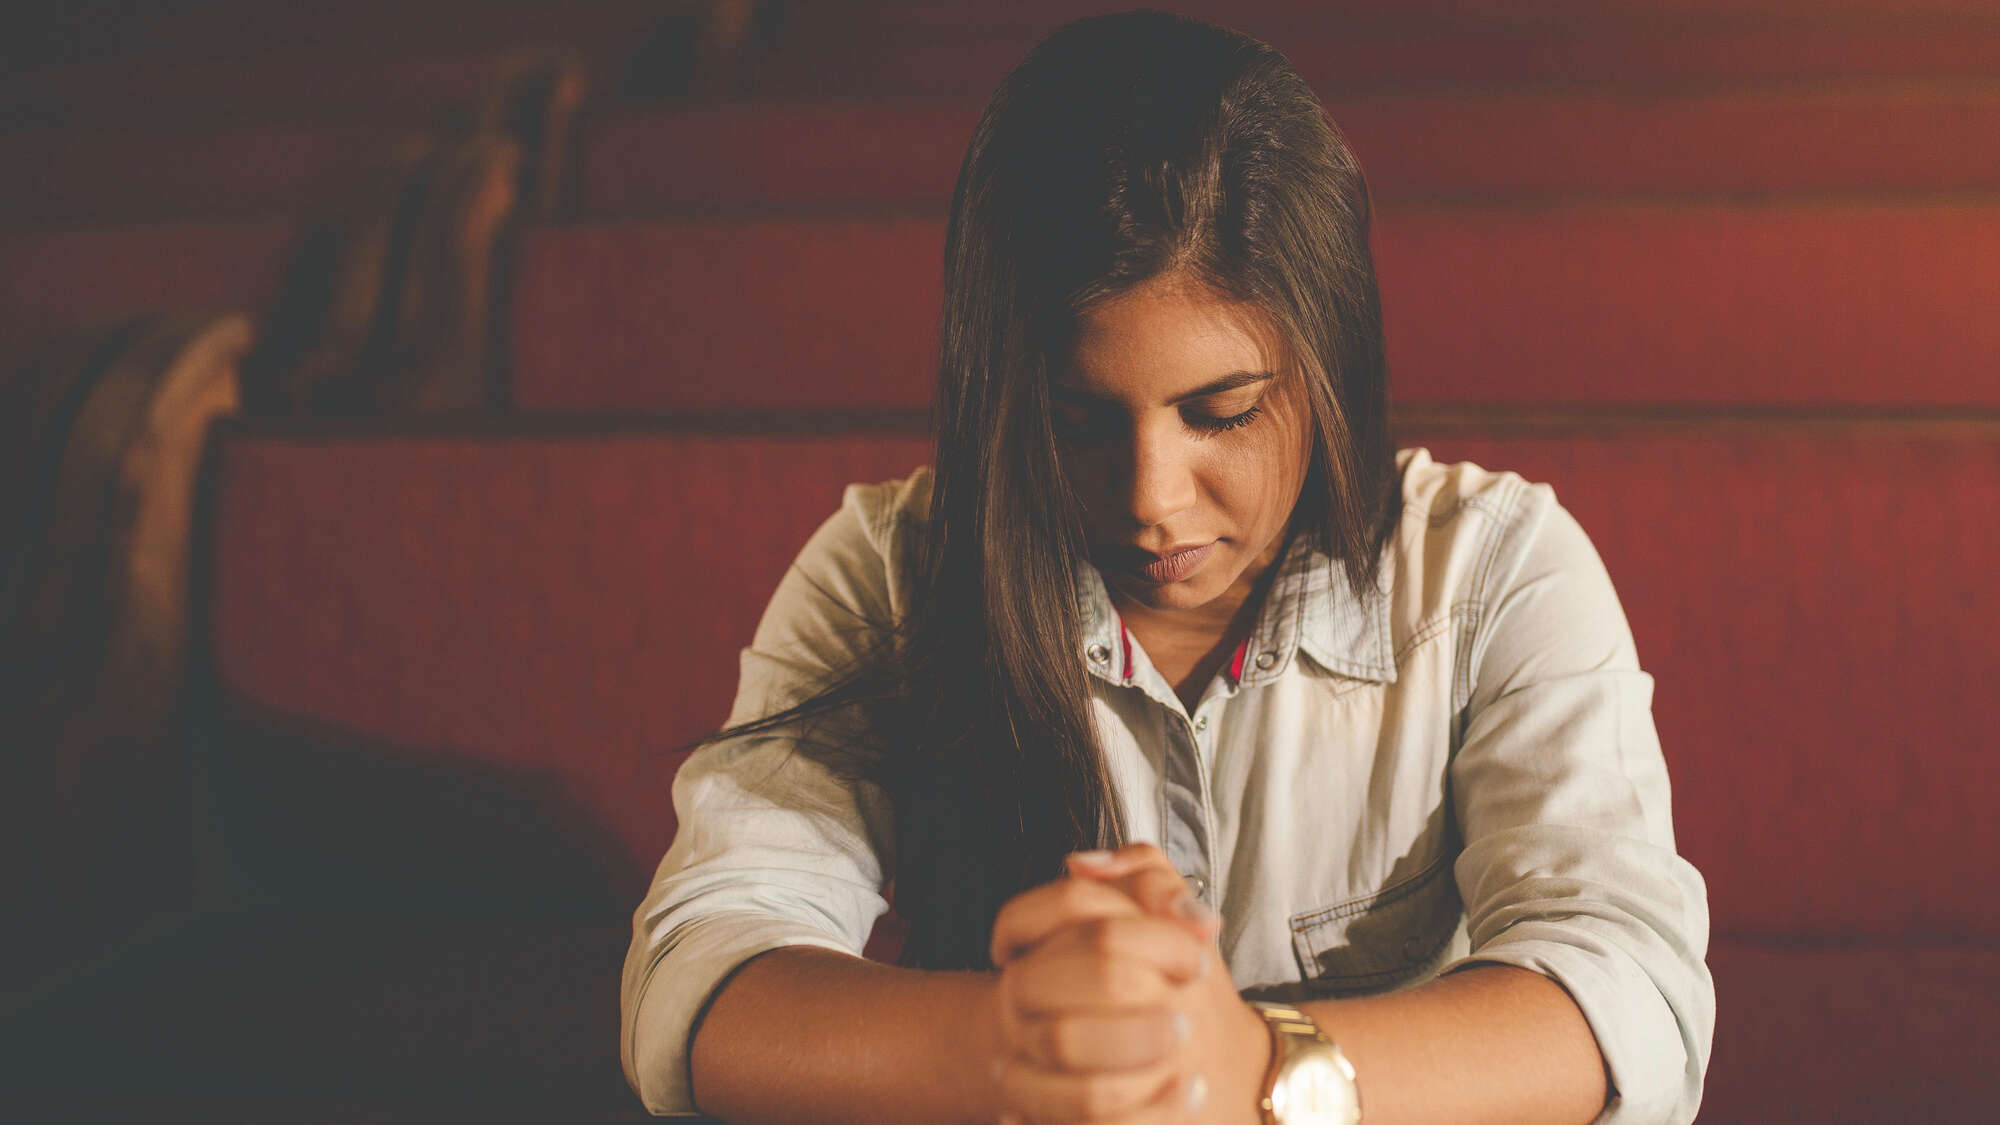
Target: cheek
x,y
1259,475
1255,483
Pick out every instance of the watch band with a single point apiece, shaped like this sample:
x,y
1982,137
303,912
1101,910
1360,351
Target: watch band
x,y
1292,1033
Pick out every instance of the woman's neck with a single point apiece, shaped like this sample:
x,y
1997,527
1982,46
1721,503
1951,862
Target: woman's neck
x,y
1189,646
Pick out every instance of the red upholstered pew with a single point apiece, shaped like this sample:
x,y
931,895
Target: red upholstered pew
x,y
564,605
383,62
182,173
447,665
1903,136
1811,302
51,280
897,49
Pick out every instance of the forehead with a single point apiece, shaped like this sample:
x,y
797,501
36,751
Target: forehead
x,y
1166,336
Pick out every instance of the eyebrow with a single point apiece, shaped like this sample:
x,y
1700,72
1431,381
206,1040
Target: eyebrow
x,y
1228,382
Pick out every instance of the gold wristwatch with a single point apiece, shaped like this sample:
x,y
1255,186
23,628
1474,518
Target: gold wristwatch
x,y
1310,1082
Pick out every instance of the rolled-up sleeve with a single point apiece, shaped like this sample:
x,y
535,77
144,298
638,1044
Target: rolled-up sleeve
x,y
772,848
1569,866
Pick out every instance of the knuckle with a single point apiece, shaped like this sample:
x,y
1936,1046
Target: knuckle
x,y
1160,887
1060,1041
1008,986
1098,1097
1099,935
1109,971
1129,983
1073,896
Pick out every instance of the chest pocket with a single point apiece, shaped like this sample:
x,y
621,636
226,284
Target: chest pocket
x,y
1378,940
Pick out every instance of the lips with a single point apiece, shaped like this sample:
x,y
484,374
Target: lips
x,y
1173,567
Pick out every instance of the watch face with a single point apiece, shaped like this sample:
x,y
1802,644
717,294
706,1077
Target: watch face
x,y
1317,1089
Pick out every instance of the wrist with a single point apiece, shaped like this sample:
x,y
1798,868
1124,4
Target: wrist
x,y
1250,1067
989,1050
1311,1081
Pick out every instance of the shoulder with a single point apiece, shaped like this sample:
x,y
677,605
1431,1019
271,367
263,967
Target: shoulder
x,y
1471,537
887,510
1497,562
869,544
1460,522
1461,497
833,601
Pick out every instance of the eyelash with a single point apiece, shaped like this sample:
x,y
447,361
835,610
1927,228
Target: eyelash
x,y
1223,425
1201,423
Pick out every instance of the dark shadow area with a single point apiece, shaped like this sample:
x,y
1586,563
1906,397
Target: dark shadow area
x,y
390,927
310,814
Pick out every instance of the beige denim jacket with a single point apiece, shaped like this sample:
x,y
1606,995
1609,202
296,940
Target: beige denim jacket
x,y
1460,767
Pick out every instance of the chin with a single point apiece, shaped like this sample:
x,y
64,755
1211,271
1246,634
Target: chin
x,y
1193,593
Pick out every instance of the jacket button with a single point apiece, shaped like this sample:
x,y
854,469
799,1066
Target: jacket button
x,y
1266,659
1099,654
1197,885
1201,723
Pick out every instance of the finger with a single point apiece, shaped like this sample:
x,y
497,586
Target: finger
x,y
1179,1101
1161,943
1031,916
1143,873
1071,981
1105,963
1043,1095
1117,864
1122,1040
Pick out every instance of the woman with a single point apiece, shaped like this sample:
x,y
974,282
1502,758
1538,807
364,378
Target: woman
x,y
1366,731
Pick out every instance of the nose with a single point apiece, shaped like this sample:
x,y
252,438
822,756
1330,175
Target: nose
x,y
1162,481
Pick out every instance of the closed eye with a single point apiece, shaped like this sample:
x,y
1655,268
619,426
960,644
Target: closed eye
x,y
1215,425
1093,425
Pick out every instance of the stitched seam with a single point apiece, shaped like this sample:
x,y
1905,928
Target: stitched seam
x,y
1466,616
1482,575
1387,896
1425,632
1414,967
1479,504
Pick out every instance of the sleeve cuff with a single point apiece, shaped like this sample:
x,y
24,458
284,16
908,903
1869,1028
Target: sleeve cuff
x,y
688,966
1654,1072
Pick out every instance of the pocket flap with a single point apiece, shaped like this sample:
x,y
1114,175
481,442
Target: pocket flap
x,y
1373,941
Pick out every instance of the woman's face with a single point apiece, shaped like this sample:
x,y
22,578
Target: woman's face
x,y
1181,428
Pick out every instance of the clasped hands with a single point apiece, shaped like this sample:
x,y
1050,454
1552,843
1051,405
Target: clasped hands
x,y
1114,1005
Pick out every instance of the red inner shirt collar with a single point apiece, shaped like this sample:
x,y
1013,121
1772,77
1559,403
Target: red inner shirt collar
x,y
1235,662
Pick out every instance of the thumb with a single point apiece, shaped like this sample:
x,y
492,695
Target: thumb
x,y
1142,872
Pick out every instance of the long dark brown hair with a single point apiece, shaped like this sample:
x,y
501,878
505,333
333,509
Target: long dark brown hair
x,y
1121,149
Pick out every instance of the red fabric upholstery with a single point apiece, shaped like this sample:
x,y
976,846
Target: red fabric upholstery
x,y
65,278
1634,304
130,176
343,1009
834,55
793,315
1853,1035
747,155
380,61
771,154
1822,304
562,608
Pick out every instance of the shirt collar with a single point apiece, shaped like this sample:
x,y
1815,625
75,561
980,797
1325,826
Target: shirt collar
x,y
1311,608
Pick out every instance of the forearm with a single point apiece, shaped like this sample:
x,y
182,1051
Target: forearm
x,y
802,1035
1488,1044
